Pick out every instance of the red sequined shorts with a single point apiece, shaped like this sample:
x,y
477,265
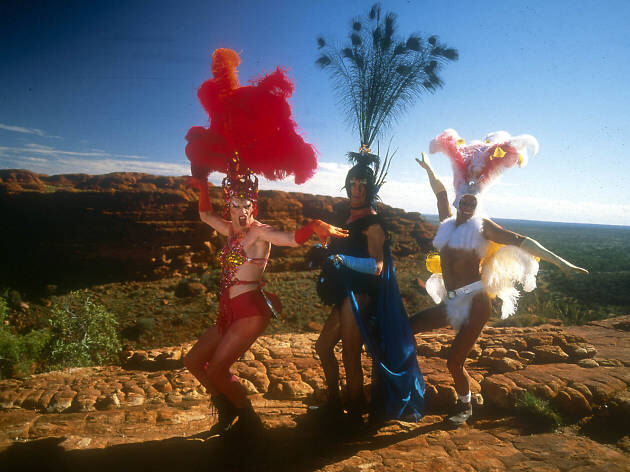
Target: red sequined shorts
x,y
245,305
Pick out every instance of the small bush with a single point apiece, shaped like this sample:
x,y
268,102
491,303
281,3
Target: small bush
x,y
538,307
19,354
211,279
538,411
83,333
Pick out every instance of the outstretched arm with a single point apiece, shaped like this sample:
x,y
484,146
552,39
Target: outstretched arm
x,y
496,233
205,207
301,235
444,209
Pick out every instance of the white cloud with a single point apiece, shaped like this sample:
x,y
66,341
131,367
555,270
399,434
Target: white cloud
x,y
28,150
329,179
73,165
50,160
25,130
21,129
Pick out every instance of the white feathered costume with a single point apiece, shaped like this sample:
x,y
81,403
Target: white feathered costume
x,y
475,167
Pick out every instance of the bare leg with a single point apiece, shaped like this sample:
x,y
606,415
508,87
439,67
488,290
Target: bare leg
x,y
325,348
237,339
480,311
201,352
352,344
429,319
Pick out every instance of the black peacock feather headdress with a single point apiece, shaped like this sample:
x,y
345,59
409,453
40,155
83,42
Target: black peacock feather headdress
x,y
378,75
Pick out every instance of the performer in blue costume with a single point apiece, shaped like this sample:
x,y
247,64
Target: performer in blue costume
x,y
358,279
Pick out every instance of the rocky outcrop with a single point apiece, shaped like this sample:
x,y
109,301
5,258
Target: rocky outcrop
x,y
285,367
82,417
78,230
89,411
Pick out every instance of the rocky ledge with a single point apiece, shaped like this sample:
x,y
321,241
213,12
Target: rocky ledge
x,y
152,406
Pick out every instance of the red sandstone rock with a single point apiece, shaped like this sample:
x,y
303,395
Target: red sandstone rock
x,y
546,354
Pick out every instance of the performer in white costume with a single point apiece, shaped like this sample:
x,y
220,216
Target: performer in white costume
x,y
479,260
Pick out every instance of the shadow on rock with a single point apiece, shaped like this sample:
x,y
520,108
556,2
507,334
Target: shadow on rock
x,y
278,449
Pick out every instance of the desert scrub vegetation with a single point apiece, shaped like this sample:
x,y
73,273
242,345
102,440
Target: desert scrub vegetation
x,y
20,354
541,306
79,333
538,411
84,333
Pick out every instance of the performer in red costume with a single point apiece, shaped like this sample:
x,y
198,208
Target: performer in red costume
x,y
251,131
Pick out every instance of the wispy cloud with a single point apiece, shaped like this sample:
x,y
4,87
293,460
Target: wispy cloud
x,y
75,165
24,130
31,148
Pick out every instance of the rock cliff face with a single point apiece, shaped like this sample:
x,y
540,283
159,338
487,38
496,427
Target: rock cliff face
x,y
78,230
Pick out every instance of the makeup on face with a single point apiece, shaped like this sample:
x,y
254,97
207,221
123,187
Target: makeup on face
x,y
242,211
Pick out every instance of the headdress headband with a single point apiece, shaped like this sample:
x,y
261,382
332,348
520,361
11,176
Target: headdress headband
x,y
239,184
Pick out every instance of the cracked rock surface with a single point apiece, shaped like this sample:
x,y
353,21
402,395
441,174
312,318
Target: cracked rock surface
x,y
151,411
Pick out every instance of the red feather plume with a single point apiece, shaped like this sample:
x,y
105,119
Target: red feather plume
x,y
254,120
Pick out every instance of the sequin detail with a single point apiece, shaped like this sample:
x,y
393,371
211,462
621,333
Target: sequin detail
x,y
231,257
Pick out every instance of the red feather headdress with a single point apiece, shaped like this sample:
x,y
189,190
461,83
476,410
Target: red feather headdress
x,y
251,128
477,165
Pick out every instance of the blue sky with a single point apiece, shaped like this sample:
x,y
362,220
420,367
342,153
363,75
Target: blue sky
x,y
98,87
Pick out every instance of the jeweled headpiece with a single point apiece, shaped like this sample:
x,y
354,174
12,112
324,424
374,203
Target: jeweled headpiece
x,y
477,166
239,184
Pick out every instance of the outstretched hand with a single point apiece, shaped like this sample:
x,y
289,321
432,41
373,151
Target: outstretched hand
x,y
424,161
324,231
570,270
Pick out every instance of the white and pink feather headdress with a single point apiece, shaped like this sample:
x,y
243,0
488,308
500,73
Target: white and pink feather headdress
x,y
478,164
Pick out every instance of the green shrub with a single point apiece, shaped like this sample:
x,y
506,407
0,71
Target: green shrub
x,y
538,411
20,354
83,333
539,306
211,279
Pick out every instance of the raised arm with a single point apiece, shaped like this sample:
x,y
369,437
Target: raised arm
x,y
498,234
301,235
444,209
205,207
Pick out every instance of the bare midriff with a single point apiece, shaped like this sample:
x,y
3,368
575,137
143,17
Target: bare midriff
x,y
460,267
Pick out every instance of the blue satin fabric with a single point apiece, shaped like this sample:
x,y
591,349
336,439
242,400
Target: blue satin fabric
x,y
397,383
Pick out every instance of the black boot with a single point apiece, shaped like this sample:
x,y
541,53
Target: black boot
x,y
461,413
248,421
226,412
328,415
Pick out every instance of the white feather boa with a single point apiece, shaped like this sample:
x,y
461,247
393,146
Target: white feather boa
x,y
467,235
509,266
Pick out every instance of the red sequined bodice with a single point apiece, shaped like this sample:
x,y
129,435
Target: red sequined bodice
x,y
231,257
